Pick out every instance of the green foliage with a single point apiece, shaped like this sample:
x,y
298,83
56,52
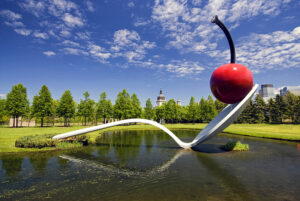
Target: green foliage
x,y
66,107
236,146
148,110
259,110
192,110
69,145
136,107
219,105
171,111
86,107
17,104
42,105
160,112
36,141
104,107
3,113
123,106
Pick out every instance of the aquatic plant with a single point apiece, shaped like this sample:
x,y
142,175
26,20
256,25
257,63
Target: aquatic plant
x,y
236,146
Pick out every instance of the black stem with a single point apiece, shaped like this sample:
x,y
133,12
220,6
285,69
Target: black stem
x,y
216,20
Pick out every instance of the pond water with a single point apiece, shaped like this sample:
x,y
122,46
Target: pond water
x,y
148,165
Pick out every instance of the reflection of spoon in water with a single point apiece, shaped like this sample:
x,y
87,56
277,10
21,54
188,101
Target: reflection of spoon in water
x,y
113,169
217,125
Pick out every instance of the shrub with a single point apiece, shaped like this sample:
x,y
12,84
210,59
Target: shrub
x,y
40,141
69,145
36,141
236,146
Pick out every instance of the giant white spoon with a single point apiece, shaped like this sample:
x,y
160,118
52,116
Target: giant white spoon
x,y
217,125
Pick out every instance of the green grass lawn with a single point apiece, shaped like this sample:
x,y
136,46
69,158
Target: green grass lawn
x,y
283,132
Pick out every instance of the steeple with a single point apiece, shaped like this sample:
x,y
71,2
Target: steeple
x,y
160,91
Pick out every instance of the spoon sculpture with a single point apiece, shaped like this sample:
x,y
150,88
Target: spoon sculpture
x,y
232,84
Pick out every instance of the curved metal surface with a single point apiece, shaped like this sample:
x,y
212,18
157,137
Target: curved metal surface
x,y
217,125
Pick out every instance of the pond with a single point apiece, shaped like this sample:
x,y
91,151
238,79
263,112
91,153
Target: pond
x,y
148,165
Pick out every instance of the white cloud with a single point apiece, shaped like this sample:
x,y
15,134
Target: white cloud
x,y
71,43
41,35
183,68
74,51
131,4
10,15
24,32
35,7
59,7
141,22
90,6
128,44
72,21
14,24
83,35
186,23
98,52
279,49
65,33
49,53
125,37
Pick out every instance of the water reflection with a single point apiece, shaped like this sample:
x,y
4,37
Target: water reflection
x,y
146,165
11,164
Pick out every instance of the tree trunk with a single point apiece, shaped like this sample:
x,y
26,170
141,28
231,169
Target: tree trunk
x,y
85,120
42,122
17,122
14,121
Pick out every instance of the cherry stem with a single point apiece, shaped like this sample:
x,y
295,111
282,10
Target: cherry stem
x,y
216,20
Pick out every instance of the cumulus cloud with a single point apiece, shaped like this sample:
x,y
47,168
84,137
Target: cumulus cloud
x,y
128,44
279,49
186,23
14,24
90,6
10,15
72,21
49,53
23,31
70,43
74,51
35,7
41,35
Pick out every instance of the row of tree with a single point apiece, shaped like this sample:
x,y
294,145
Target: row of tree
x,y
278,110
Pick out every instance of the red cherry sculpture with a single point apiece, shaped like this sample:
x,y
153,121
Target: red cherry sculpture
x,y
230,83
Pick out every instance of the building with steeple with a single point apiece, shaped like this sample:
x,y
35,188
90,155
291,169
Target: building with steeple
x,y
160,99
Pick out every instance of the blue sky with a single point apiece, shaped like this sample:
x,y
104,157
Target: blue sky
x,y
143,46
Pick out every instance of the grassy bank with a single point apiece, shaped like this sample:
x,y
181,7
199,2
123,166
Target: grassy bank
x,y
8,136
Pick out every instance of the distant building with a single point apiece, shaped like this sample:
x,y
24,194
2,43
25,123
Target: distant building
x,y
179,102
283,91
267,91
160,99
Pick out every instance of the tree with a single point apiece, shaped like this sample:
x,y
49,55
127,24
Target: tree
x,y
291,101
54,109
85,107
3,112
201,110
136,107
104,107
17,103
148,110
123,105
297,110
171,111
274,112
219,105
211,109
192,110
282,107
247,115
42,105
66,107
259,110
160,113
